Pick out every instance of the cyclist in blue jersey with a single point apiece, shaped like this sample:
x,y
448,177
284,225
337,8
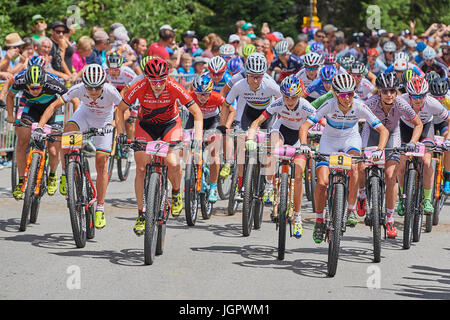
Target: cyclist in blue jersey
x,y
217,67
321,85
286,61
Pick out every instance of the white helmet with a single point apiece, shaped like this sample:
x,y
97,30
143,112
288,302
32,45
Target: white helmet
x,y
389,47
282,47
217,64
429,53
344,82
312,59
401,55
94,75
400,64
227,50
256,63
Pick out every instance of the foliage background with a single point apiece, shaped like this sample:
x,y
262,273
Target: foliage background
x,y
144,17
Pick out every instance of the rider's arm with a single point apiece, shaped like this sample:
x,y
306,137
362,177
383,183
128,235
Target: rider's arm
x,y
10,107
49,111
224,91
255,125
303,132
418,127
384,136
196,112
121,108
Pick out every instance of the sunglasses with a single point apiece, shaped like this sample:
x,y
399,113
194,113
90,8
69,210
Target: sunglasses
x,y
157,82
34,88
417,96
357,76
59,31
312,68
217,74
39,21
440,98
255,76
203,94
327,81
387,91
321,36
226,57
346,95
93,88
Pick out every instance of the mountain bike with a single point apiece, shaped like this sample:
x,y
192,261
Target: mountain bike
x,y
314,135
81,192
157,206
337,192
35,177
122,156
238,136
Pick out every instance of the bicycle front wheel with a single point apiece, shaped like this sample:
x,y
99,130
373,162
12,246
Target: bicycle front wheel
x,y
224,186
282,215
232,203
429,217
409,209
249,203
75,202
151,218
190,194
123,167
375,209
29,191
337,214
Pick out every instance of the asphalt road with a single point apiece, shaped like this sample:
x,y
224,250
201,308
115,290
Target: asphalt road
x,y
209,261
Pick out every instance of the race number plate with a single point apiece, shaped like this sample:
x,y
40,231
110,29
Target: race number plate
x,y
419,152
72,140
316,129
47,128
158,148
368,153
340,161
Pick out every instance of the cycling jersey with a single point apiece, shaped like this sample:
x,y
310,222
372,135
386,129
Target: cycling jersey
x,y
241,75
125,77
292,119
218,87
364,89
159,109
315,89
293,65
102,107
430,108
302,76
211,107
410,66
378,67
437,66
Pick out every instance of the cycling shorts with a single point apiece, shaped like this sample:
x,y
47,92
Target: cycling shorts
x,y
441,128
426,136
169,131
371,137
84,120
289,136
33,113
208,124
251,114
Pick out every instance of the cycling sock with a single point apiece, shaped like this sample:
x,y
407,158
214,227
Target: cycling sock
x,y
175,191
213,185
240,182
52,174
63,172
100,206
362,193
427,194
390,215
401,190
351,207
21,179
298,216
319,217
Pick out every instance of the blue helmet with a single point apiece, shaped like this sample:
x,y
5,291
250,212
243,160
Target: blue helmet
x,y
292,86
317,47
36,60
235,65
328,72
203,83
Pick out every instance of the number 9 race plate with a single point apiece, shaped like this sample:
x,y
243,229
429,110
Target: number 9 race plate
x,y
340,161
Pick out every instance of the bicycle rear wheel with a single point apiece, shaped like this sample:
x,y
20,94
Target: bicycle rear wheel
x,y
313,182
232,203
409,209
29,191
282,215
75,202
224,186
90,228
190,194
206,206
337,214
429,217
375,208
14,173
151,218
123,166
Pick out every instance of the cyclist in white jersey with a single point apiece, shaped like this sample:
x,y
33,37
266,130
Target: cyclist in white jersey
x,y
292,111
254,95
313,61
364,87
426,108
341,134
98,100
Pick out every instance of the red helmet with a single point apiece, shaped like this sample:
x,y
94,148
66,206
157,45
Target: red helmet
x,y
156,68
372,52
417,85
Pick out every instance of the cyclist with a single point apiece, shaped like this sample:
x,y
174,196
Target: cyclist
x,y
39,91
426,107
210,103
158,118
98,100
227,51
287,62
364,87
292,111
389,49
218,72
439,91
388,106
254,94
374,64
429,63
341,133
313,61
235,65
321,85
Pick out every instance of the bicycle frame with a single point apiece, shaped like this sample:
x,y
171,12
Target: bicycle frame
x,y
40,173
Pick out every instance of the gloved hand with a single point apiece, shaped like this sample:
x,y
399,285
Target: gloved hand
x,y
108,128
410,147
251,145
38,134
121,138
377,155
305,149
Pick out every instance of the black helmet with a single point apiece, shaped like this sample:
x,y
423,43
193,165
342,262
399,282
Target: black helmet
x,y
387,80
439,87
430,76
35,76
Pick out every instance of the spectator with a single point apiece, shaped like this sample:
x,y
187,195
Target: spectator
x,y
319,36
158,49
259,45
200,64
235,41
186,67
43,49
11,56
101,45
84,49
269,43
61,50
39,26
209,41
249,30
190,45
446,55
139,46
241,33
300,48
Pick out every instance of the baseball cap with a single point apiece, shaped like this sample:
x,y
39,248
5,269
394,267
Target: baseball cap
x,y
166,26
37,17
121,34
247,26
279,35
100,35
272,37
57,24
329,28
233,38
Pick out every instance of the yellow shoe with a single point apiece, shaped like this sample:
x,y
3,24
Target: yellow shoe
x,y
17,193
177,204
139,227
52,185
297,231
225,171
100,220
62,185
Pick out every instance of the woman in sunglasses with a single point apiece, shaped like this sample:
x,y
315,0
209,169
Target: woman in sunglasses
x,y
426,108
341,134
388,106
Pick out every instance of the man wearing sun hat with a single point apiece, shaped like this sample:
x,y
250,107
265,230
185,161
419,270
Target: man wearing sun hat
x,y
13,42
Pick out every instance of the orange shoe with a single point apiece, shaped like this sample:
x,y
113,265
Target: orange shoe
x,y
391,231
361,207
